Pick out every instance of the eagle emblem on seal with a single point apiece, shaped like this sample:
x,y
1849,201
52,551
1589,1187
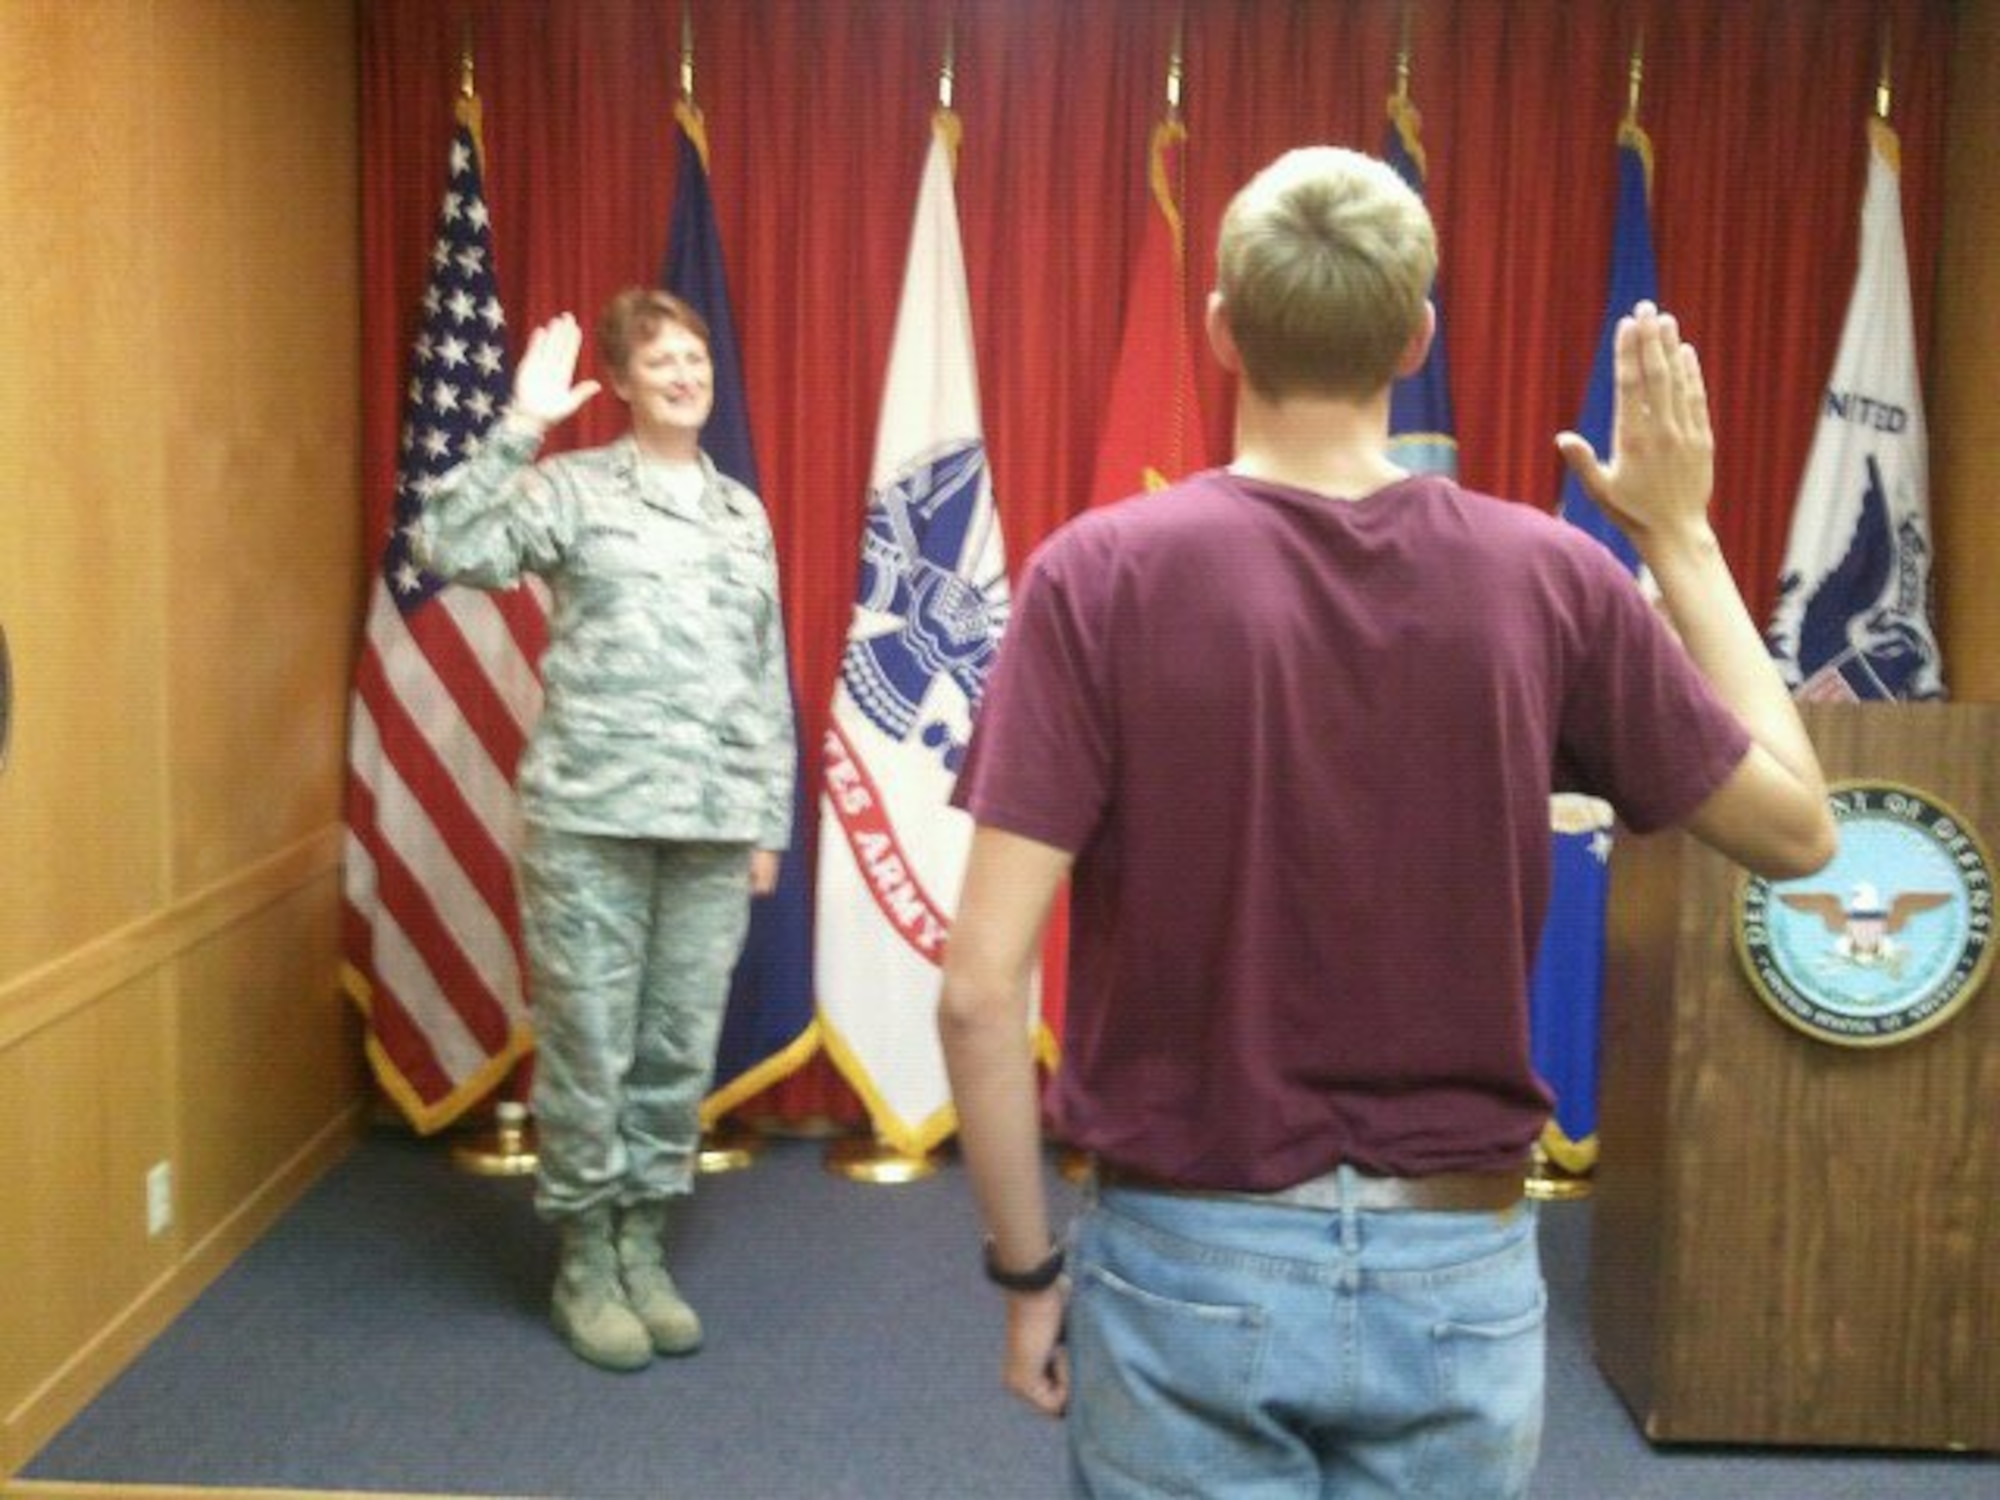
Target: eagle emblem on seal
x,y
1863,926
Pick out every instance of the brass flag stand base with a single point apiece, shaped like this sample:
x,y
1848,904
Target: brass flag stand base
x,y
728,1146
863,1158
1549,1182
507,1150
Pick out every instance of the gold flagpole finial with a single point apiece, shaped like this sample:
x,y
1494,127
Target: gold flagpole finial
x,y
1176,66
1635,76
1403,53
687,51
1882,89
948,69
467,108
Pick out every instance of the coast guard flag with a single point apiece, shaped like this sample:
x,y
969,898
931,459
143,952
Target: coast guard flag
x,y
1422,436
1565,997
444,695
1853,613
768,1030
928,613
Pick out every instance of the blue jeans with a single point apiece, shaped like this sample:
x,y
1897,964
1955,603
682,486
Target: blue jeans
x,y
1221,1348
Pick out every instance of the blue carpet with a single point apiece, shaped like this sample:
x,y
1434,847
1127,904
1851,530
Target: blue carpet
x,y
390,1333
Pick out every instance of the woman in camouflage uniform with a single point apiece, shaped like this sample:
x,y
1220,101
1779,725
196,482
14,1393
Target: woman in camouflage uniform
x,y
656,788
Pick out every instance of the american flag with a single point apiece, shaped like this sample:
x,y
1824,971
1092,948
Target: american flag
x,y
444,696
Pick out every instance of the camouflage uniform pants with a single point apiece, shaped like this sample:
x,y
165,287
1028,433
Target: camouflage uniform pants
x,y
630,946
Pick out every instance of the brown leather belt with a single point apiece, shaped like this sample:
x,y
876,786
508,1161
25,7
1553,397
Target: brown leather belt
x,y
1468,1192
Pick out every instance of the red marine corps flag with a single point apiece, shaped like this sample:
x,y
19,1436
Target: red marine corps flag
x,y
1152,423
928,612
1152,434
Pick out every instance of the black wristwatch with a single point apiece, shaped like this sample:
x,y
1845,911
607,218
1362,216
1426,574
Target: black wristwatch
x,y
1037,1278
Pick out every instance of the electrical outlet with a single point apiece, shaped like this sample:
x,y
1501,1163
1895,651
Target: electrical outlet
x,y
159,1199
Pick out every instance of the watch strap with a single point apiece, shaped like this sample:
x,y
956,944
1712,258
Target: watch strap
x,y
1036,1278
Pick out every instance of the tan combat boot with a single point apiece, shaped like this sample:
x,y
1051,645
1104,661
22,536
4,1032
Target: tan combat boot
x,y
672,1325
589,1308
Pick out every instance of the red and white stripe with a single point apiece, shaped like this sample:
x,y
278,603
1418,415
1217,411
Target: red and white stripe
x,y
444,700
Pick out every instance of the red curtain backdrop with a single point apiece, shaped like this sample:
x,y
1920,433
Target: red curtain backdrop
x,y
818,118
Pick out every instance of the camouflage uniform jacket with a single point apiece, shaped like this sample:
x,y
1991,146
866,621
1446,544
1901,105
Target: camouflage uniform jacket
x,y
667,710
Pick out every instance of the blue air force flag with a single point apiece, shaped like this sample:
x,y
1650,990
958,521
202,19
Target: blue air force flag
x,y
1635,277
1566,993
1853,618
768,1030
1422,436
930,606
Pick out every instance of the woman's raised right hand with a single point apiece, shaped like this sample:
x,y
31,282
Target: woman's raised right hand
x,y
546,390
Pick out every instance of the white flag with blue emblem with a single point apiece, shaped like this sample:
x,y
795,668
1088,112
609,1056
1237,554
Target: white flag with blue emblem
x,y
929,609
1853,618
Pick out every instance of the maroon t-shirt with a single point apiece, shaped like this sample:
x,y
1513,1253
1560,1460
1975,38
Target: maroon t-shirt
x,y
1303,750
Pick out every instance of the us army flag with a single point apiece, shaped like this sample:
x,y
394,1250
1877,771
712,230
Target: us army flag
x,y
928,612
1853,618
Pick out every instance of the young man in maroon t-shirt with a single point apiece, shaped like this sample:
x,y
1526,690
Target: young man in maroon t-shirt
x,y
1290,729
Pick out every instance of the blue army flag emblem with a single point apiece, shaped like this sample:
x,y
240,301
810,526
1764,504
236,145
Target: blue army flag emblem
x,y
940,622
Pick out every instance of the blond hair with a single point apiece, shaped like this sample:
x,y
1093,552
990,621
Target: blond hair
x,y
1324,264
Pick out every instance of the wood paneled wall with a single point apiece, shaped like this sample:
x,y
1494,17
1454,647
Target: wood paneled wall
x,y
179,582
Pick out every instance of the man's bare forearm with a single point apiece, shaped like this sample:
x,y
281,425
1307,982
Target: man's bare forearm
x,y
1701,598
991,1063
983,1016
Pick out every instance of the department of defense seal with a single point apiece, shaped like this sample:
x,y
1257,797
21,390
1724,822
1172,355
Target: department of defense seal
x,y
1891,938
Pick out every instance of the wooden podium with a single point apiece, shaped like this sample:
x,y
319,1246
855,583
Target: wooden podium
x,y
1797,1242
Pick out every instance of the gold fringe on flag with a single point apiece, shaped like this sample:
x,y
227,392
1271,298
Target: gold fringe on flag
x,y
695,124
951,129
